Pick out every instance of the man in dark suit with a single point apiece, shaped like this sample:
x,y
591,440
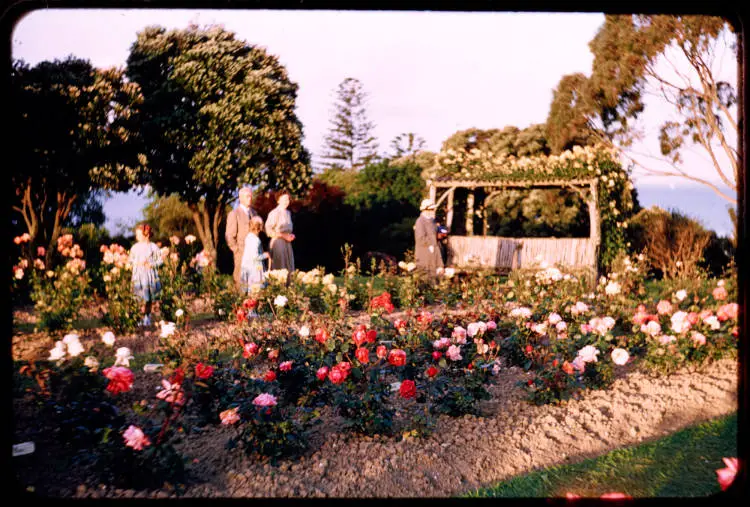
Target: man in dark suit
x,y
238,222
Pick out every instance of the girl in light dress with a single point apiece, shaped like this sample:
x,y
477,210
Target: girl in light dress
x,y
144,258
251,270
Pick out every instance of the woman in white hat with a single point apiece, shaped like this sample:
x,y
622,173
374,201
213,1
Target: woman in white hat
x,y
427,248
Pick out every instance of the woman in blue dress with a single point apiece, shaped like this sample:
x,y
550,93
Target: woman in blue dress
x,y
251,270
144,258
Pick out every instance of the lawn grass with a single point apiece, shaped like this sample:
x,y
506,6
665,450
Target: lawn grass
x,y
683,464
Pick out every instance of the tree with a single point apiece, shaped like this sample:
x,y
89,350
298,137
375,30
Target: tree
x,y
407,144
88,210
671,57
350,142
75,131
169,216
217,113
510,140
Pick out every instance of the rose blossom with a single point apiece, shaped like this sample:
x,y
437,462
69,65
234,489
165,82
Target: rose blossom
x,y
280,301
719,293
588,354
372,335
123,357
522,312
728,311
304,331
567,368
666,339
120,379
91,363
179,313
712,322
135,438
381,351
230,416
680,323
554,318
408,389
578,364
491,325
337,375
612,288
693,318
203,371
167,329
442,343
273,355
454,353
359,337
270,376
561,326
397,357
285,366
585,328
363,355
265,400
171,392
437,355
652,328
698,338
459,334
249,349
664,307
322,373
108,338
399,323
681,294
321,336
620,356
432,371
726,475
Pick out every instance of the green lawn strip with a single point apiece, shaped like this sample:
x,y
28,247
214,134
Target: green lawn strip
x,y
682,464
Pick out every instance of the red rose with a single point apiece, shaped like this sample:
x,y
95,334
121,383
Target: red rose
x,y
529,349
408,389
250,303
555,362
270,376
436,355
363,355
285,366
203,371
530,382
381,351
567,368
372,335
345,365
337,375
321,336
322,373
241,315
249,349
397,357
359,337
432,371
120,379
470,366
177,377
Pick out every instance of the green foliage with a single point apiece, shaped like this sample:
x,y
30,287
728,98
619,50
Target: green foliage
x,y
509,141
169,216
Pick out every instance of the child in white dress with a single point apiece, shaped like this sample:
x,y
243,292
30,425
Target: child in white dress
x,y
252,272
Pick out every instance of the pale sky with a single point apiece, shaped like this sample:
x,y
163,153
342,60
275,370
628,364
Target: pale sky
x,y
432,73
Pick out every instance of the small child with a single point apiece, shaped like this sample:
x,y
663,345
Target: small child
x,y
252,258
145,257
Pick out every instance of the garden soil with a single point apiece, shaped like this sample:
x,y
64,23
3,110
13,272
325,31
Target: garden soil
x,y
511,437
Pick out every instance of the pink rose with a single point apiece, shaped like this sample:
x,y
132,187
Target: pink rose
x,y
652,328
397,357
719,293
265,400
664,307
561,326
726,475
698,338
381,352
135,438
363,355
285,366
491,325
322,373
442,343
230,416
337,375
554,318
120,379
579,364
459,334
586,329
454,353
171,393
588,354
693,318
250,349
666,339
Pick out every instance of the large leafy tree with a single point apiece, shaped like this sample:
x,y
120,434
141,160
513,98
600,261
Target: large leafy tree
x,y
75,129
407,144
217,113
675,59
350,143
509,140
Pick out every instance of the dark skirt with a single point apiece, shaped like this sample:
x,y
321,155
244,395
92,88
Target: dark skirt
x,y
282,256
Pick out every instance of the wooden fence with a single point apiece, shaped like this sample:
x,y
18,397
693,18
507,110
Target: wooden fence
x,y
514,253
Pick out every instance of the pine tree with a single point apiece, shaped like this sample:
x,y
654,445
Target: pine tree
x,y
350,142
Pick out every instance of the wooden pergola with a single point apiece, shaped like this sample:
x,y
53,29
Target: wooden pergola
x,y
510,253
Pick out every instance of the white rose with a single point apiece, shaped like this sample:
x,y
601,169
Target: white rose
x,y
179,313
58,352
304,331
328,279
123,357
681,294
108,338
280,301
333,288
75,348
167,329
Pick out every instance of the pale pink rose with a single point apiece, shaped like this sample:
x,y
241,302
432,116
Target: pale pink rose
x,y
561,326
585,328
459,334
719,293
698,338
680,324
579,308
704,314
523,312
680,294
712,322
454,353
171,393
230,416
652,328
640,318
693,318
620,356
554,318
491,325
664,307
588,354
539,329
728,311
473,329
443,343
135,438
579,364
265,400
666,339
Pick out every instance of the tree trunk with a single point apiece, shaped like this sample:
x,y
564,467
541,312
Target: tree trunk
x,y
207,219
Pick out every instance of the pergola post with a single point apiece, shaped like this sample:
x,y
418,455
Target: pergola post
x,y
470,213
433,191
449,214
595,228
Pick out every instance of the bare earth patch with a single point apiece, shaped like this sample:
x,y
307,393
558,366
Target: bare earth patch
x,y
511,437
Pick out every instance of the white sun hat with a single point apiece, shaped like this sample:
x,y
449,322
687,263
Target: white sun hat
x,y
426,204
